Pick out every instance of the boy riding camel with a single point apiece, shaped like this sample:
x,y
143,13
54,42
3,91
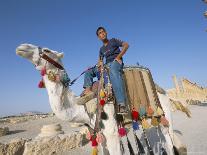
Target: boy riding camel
x,y
114,61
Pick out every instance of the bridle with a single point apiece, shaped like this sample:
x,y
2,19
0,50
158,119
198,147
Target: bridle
x,y
44,56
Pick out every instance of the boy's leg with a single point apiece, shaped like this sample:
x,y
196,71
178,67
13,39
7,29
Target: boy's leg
x,y
115,74
88,79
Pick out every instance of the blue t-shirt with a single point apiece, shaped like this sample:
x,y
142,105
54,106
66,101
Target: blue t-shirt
x,y
111,50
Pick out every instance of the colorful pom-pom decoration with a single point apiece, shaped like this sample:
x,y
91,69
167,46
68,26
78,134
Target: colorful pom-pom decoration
x,y
135,115
93,140
43,71
135,125
104,116
51,76
41,84
150,111
154,121
94,151
119,118
57,78
102,102
102,93
159,111
122,132
164,121
88,135
99,138
142,111
145,124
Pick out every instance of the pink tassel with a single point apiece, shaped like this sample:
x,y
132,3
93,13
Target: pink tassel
x,y
100,138
43,71
122,132
88,136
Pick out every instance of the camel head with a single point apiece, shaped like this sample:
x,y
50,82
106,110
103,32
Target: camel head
x,y
34,55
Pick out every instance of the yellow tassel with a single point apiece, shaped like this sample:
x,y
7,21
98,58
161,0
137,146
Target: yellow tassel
x,y
145,124
159,111
154,121
102,93
94,151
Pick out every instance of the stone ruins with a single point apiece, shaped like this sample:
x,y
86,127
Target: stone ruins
x,y
187,91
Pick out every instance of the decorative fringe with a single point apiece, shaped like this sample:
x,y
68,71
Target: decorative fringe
x,y
163,151
150,111
164,121
135,125
88,136
142,111
119,118
122,147
130,147
159,111
102,93
122,132
135,115
140,146
94,151
104,116
154,121
145,124
101,125
99,138
102,102
57,78
43,71
51,76
41,84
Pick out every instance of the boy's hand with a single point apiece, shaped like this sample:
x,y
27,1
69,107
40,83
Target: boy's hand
x,y
118,60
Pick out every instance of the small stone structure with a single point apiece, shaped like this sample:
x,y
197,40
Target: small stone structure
x,y
4,131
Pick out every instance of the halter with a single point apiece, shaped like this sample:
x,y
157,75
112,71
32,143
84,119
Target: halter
x,y
44,56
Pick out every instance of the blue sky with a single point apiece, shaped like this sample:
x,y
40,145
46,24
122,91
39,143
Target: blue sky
x,y
167,36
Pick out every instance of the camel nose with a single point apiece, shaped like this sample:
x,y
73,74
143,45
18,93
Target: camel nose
x,y
18,52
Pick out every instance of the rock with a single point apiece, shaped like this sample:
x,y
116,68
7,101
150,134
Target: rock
x,y
15,147
4,131
54,144
51,130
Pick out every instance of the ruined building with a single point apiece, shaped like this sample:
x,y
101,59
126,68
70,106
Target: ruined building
x,y
188,91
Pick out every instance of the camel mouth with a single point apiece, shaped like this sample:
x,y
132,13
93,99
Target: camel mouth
x,y
23,50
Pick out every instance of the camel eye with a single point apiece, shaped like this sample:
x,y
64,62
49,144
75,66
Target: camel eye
x,y
47,51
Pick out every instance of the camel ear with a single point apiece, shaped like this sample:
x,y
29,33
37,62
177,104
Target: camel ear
x,y
60,55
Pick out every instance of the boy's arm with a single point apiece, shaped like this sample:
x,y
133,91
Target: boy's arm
x,y
125,46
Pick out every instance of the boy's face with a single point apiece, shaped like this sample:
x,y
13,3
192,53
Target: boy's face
x,y
102,35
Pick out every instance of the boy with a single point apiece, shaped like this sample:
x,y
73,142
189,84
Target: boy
x,y
113,56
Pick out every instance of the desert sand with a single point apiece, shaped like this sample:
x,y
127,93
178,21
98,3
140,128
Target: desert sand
x,y
193,130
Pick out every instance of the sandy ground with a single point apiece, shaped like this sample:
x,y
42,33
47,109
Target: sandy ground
x,y
193,130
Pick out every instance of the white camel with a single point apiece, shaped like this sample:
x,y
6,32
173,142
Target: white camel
x,y
64,102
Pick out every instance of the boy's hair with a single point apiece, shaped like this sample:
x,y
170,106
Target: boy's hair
x,y
100,28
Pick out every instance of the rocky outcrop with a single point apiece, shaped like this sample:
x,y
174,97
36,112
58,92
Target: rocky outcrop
x,y
4,131
51,140
15,147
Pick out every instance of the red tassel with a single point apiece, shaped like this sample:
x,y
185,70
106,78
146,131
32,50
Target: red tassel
x,y
122,132
102,102
135,115
43,71
41,84
93,140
